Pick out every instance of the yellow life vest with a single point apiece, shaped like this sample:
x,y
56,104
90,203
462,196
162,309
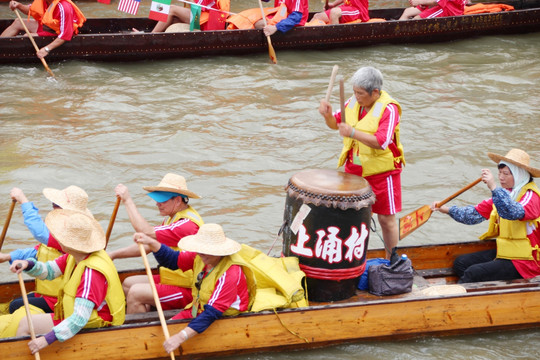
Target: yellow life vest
x,y
48,287
115,298
373,161
43,13
179,277
272,282
511,235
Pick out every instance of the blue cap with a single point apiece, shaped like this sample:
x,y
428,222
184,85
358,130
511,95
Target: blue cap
x,y
162,196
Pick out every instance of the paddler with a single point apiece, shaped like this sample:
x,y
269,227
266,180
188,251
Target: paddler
x,y
372,146
70,198
92,295
513,211
60,18
181,219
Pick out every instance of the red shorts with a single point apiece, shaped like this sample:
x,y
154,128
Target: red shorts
x,y
172,297
387,189
348,14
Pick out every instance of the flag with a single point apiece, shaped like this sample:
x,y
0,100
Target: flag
x,y
195,23
216,20
159,10
104,1
129,6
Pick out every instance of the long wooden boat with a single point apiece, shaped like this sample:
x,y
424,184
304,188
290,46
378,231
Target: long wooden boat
x,y
110,39
485,307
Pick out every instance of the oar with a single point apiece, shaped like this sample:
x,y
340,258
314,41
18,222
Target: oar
x,y
111,221
6,224
414,220
156,296
33,42
28,313
271,51
331,83
342,99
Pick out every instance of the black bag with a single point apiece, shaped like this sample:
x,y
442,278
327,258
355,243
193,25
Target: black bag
x,y
391,279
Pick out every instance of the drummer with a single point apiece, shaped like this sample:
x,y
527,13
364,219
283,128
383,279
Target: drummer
x,y
371,145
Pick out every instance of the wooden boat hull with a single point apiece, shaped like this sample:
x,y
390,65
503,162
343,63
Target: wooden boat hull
x,y
485,307
110,39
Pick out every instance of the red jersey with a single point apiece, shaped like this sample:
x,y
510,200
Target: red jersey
x,y
65,14
296,5
171,234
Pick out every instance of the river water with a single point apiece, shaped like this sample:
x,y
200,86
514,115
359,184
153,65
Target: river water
x,y
239,127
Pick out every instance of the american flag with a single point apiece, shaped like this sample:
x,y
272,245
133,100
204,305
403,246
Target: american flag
x,y
129,6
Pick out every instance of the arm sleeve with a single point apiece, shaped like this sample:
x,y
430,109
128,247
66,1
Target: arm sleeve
x,y
466,215
35,223
205,319
44,271
506,207
291,21
167,257
76,321
23,254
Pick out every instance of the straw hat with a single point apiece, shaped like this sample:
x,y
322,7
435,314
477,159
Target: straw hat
x,y
517,157
70,198
179,27
210,240
173,183
75,230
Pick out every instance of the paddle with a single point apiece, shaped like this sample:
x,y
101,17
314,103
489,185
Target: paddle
x,y
342,99
6,224
156,296
28,313
271,51
33,42
417,218
111,221
331,83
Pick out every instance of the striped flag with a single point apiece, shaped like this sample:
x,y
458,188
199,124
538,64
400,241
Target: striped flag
x,y
159,10
129,6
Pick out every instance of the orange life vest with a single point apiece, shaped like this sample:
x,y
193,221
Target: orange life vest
x,y
247,18
486,8
43,13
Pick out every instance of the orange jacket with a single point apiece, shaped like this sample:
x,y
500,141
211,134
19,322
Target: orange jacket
x,y
486,8
43,13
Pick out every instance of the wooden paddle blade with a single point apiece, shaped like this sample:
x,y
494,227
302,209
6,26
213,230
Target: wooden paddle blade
x,y
412,221
271,51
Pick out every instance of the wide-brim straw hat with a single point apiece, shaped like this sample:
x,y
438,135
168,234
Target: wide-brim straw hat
x,y
76,231
517,157
179,27
173,183
210,240
70,198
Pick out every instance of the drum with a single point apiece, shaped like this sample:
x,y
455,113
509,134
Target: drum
x,y
327,217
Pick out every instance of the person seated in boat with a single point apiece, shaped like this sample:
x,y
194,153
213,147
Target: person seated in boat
x,y
181,219
351,10
427,9
92,296
60,18
514,213
213,16
71,198
221,286
371,145
285,15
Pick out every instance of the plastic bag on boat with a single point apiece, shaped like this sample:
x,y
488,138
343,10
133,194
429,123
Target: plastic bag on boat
x,y
391,279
